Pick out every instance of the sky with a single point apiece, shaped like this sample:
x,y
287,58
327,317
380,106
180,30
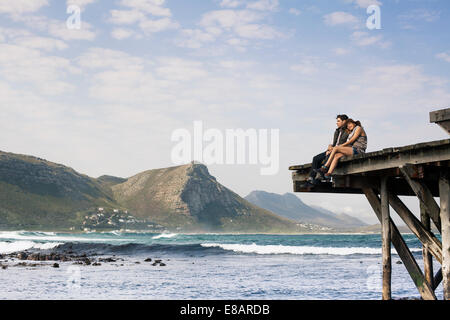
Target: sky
x,y
104,96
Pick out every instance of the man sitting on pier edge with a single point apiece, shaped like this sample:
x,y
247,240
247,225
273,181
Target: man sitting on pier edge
x,y
340,137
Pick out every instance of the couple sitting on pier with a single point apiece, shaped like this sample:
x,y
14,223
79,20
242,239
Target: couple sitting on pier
x,y
349,139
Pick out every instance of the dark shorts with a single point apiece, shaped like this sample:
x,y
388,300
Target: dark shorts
x,y
357,151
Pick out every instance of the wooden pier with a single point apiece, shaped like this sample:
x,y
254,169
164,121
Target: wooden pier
x,y
421,170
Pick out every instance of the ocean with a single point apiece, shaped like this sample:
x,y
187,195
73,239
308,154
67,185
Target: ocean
x,y
205,266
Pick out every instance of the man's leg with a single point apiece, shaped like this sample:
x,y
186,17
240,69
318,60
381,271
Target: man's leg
x,y
317,163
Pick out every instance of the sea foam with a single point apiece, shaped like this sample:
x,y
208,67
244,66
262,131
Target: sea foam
x,y
10,247
298,250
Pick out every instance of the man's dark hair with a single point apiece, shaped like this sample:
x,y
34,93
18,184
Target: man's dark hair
x,y
343,117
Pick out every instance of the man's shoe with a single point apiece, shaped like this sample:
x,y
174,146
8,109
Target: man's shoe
x,y
319,174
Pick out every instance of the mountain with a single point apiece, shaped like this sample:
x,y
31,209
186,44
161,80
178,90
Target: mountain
x,y
189,197
291,207
39,194
35,193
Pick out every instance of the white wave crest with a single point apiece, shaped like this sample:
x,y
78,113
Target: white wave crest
x,y
298,250
10,247
165,235
20,235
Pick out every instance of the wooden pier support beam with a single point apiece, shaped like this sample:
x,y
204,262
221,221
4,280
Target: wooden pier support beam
x,y
426,255
437,279
444,193
386,240
427,238
403,251
424,194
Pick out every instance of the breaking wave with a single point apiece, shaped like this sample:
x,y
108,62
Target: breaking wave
x,y
10,247
296,250
165,235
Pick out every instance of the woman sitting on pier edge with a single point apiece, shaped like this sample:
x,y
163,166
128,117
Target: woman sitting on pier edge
x,y
356,144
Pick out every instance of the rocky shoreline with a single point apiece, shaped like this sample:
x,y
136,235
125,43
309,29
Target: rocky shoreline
x,y
53,259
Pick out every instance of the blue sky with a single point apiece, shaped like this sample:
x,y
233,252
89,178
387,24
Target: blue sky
x,y
105,99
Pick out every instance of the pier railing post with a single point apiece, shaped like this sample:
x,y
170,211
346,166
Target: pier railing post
x,y
427,257
386,240
444,194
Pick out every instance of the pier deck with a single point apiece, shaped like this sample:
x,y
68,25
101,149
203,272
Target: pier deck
x,y
421,170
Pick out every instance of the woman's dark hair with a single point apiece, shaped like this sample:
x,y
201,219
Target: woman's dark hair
x,y
343,117
356,123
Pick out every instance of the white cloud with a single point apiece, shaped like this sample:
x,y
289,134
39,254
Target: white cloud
x,y
231,3
34,42
411,19
58,28
100,58
445,56
294,11
126,16
149,26
153,7
341,51
142,12
312,65
177,69
80,3
239,24
17,7
12,33
365,3
229,18
47,73
121,33
263,5
257,31
339,18
362,39
194,38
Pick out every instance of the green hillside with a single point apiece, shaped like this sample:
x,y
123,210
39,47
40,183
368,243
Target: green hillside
x,y
35,193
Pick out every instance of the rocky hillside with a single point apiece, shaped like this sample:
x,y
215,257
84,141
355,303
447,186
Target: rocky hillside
x,y
188,197
290,206
39,194
35,193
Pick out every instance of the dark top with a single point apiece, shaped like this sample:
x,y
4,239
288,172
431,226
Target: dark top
x,y
342,138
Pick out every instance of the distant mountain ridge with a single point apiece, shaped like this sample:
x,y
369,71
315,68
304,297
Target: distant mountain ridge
x,y
292,207
42,195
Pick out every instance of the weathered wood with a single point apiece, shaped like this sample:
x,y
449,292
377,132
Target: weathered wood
x,y
386,240
444,189
426,255
442,118
424,195
427,238
391,158
437,279
353,184
404,253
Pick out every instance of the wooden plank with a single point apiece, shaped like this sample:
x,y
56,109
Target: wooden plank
x,y
437,279
426,255
427,238
383,163
425,196
440,115
391,158
444,189
386,240
404,253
